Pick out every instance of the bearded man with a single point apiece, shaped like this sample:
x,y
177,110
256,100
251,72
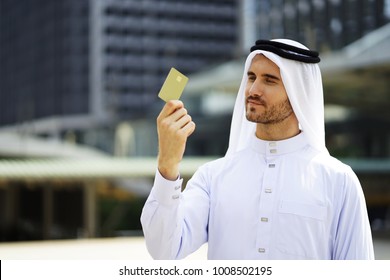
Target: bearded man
x,y
277,193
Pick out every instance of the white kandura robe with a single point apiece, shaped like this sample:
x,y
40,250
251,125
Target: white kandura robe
x,y
271,200
266,200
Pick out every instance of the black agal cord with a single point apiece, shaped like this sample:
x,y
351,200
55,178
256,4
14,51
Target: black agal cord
x,y
287,51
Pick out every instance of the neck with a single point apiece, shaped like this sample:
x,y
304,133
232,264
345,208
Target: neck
x,y
278,131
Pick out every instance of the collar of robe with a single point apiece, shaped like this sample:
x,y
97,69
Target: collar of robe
x,y
287,51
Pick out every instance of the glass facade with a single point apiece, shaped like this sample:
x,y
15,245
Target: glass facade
x,y
43,59
144,39
320,24
108,57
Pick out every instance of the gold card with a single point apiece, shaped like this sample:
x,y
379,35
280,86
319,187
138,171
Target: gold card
x,y
173,86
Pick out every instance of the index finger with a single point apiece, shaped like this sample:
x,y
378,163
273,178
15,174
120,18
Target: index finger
x,y
170,107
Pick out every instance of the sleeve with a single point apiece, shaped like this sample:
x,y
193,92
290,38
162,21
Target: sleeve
x,y
175,222
353,239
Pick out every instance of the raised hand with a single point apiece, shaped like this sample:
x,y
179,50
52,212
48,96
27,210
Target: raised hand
x,y
174,126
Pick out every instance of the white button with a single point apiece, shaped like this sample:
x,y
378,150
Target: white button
x,y
177,187
176,196
273,151
272,144
264,219
261,250
268,190
271,165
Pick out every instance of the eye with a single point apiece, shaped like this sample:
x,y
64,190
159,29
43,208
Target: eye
x,y
251,78
270,81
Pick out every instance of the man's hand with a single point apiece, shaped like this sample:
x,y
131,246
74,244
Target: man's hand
x,y
174,126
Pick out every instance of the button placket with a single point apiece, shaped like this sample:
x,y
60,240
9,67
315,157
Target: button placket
x,y
266,204
268,190
261,250
272,147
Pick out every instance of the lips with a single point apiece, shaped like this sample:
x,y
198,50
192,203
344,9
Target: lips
x,y
255,101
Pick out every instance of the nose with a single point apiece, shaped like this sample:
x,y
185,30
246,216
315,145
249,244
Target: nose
x,y
255,89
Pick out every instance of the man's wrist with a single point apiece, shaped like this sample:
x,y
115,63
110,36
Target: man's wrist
x,y
169,172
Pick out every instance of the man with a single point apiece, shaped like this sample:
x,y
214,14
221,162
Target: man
x,y
277,194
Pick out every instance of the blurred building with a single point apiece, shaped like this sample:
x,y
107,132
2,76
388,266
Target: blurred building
x,y
44,65
76,66
82,70
319,24
142,40
77,72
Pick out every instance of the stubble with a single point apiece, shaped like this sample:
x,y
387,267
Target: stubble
x,y
274,114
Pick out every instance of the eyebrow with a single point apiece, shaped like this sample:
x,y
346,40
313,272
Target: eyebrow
x,y
270,76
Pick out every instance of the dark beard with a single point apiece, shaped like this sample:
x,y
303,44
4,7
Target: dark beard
x,y
275,114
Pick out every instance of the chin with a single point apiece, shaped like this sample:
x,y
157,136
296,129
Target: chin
x,y
251,117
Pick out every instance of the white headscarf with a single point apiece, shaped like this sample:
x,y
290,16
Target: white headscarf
x,y
303,84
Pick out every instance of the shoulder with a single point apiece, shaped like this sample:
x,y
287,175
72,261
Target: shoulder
x,y
329,163
335,169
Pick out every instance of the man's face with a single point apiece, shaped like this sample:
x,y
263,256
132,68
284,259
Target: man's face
x,y
266,99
